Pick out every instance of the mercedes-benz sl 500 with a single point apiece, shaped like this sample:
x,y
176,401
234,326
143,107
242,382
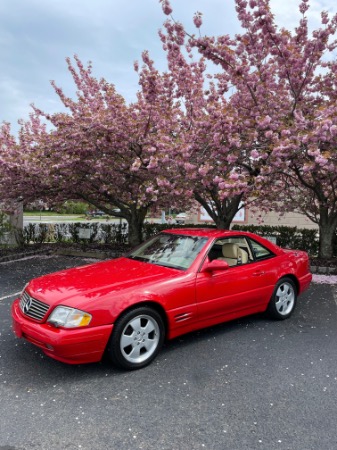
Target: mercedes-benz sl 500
x,y
176,282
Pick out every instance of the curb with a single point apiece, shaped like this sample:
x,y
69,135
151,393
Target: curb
x,y
60,252
83,254
18,256
319,270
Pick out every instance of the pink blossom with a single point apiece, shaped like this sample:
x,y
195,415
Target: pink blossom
x,y
333,130
231,159
189,167
167,9
234,176
264,122
197,19
304,6
324,279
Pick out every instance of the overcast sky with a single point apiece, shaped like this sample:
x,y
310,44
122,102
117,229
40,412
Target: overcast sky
x,y
37,35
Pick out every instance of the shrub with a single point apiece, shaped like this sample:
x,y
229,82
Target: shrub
x,y
5,226
6,229
150,229
73,207
287,237
71,232
114,233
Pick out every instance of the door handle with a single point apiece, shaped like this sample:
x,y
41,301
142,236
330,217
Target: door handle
x,y
258,273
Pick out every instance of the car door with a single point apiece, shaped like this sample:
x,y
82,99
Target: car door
x,y
240,289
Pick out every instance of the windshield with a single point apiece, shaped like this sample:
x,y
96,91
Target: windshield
x,y
170,250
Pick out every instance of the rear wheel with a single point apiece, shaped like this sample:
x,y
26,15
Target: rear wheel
x,y
137,338
283,300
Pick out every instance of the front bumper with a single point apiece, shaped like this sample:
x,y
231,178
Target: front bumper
x,y
72,346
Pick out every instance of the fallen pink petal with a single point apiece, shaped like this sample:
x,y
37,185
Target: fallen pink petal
x,y
324,279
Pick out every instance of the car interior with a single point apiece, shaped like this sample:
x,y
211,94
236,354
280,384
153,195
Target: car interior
x,y
235,251
233,254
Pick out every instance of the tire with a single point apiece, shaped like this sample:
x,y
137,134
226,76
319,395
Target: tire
x,y
283,300
137,338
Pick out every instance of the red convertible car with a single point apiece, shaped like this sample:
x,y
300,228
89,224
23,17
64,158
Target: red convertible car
x,y
178,281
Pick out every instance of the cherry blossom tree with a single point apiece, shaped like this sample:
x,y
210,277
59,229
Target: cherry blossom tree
x,y
280,86
209,133
23,172
102,151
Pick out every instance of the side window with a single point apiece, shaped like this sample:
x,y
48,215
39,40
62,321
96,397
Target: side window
x,y
259,251
235,251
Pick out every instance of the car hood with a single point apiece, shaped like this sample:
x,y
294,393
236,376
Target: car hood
x,y
96,280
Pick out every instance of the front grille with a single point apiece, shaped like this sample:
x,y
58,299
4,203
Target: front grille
x,y
33,308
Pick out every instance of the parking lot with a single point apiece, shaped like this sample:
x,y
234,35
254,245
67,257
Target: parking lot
x,y
245,385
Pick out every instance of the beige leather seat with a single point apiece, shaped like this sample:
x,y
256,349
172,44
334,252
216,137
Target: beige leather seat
x,y
234,255
243,256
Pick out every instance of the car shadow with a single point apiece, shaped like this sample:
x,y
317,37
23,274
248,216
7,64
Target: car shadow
x,y
40,370
24,360
215,331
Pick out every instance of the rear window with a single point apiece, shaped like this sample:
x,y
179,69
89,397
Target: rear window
x,y
259,251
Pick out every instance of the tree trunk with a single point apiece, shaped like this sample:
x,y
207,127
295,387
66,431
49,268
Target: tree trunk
x,y
327,230
134,216
326,238
221,211
225,216
135,225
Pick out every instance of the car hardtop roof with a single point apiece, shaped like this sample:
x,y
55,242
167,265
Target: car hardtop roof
x,y
203,232
216,233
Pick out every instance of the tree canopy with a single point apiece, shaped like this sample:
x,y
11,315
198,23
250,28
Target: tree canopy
x,y
279,88
249,119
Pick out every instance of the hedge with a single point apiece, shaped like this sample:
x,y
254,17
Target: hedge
x,y
287,237
79,233
107,233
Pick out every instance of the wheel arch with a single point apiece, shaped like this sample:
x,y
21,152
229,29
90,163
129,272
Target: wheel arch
x,y
151,304
282,303
294,279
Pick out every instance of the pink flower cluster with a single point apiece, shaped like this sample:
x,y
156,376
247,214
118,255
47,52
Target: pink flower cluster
x,y
260,127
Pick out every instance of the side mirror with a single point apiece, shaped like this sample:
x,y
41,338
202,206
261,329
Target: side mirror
x,y
216,264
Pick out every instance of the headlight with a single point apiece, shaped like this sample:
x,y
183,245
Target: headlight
x,y
69,317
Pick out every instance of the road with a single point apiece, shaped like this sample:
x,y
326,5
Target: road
x,y
252,384
76,218
66,219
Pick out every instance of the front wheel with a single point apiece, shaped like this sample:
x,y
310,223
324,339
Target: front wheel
x,y
137,338
283,300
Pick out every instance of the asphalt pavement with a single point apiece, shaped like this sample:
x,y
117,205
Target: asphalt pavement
x,y
249,384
